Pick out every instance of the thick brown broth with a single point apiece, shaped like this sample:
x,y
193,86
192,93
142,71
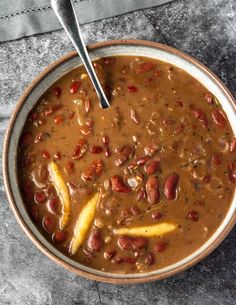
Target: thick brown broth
x,y
164,152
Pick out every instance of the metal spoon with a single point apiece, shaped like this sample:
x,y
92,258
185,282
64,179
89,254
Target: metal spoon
x,y
65,12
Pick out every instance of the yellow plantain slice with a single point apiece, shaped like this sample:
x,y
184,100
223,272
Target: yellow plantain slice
x,y
63,193
83,223
147,231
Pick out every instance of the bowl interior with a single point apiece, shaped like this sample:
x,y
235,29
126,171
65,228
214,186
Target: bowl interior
x,y
161,53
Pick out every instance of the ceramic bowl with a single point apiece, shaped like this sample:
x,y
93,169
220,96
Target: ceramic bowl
x,y
30,98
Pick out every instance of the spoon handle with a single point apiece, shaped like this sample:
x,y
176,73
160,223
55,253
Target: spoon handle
x,y
66,14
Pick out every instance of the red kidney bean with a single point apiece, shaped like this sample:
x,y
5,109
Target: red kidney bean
x,y
105,140
40,137
152,167
141,195
53,205
48,224
201,116
109,254
146,67
232,171
95,241
57,91
139,243
107,152
80,149
40,197
219,118
156,215
75,87
209,98
59,236
57,156
151,149
96,149
160,246
109,61
149,259
134,116
89,173
52,109
170,186
124,153
45,155
193,215
94,171
26,139
140,161
118,185
131,244
59,119
152,190
99,167
216,159
232,146
125,243
135,211
34,213
132,89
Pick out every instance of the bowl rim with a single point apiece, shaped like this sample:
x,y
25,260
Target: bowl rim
x,y
19,217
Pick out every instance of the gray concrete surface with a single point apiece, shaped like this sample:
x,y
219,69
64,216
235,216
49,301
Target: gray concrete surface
x,y
203,29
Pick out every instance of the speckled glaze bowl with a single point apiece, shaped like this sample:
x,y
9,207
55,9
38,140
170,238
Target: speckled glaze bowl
x,y
30,98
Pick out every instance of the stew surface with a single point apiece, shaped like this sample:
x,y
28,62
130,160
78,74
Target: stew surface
x,y
135,187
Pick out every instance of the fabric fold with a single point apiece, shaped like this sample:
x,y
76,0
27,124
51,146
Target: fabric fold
x,y
24,18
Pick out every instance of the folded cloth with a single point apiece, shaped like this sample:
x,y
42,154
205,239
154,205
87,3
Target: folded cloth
x,y
19,18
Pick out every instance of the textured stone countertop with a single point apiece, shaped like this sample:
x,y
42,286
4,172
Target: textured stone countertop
x,y
203,29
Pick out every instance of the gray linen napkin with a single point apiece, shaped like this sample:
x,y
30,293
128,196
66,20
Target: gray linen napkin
x,y
19,18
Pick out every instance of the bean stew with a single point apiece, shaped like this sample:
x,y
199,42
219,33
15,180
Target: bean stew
x,y
135,187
